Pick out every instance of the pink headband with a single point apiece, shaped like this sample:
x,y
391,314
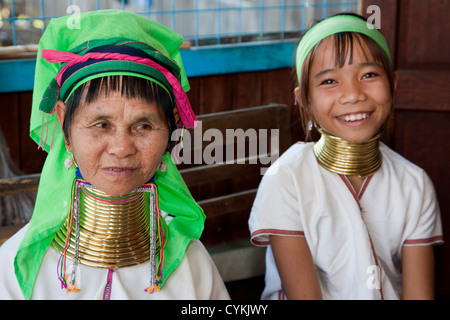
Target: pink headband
x,y
187,115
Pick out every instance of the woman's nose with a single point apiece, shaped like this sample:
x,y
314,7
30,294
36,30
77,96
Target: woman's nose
x,y
122,144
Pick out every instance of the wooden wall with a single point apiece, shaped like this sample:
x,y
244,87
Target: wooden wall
x,y
418,35
15,111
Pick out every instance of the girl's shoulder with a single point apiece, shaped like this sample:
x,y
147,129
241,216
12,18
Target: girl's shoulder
x,y
297,161
398,168
398,162
294,158
299,151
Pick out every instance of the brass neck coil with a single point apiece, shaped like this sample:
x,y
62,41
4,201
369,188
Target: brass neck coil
x,y
348,158
114,232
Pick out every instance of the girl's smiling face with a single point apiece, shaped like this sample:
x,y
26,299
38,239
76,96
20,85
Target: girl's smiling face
x,y
353,101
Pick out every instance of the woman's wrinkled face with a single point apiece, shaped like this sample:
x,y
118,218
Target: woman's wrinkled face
x,y
351,102
117,142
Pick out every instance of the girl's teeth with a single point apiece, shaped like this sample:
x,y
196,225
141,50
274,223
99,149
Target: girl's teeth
x,y
356,117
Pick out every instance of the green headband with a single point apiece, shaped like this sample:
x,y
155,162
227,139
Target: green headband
x,y
334,25
108,68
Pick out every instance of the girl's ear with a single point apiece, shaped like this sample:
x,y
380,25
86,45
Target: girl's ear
x,y
395,80
298,98
60,111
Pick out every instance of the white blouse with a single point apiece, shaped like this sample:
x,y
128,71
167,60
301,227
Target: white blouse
x,y
355,239
196,278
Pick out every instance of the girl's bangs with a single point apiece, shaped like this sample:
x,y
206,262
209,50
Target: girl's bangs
x,y
345,42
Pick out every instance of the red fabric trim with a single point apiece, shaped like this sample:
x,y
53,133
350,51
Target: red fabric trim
x,y
350,188
261,243
364,186
281,295
424,241
273,232
357,199
356,196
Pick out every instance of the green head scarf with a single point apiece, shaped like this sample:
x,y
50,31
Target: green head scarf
x,y
54,192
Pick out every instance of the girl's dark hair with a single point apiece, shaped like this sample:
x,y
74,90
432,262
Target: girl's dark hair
x,y
129,87
344,43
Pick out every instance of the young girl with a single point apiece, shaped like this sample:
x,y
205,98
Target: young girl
x,y
346,217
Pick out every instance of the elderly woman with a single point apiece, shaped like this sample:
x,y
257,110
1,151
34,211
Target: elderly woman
x,y
113,217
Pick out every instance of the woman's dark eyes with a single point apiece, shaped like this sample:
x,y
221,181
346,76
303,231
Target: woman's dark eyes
x,y
101,125
144,126
139,127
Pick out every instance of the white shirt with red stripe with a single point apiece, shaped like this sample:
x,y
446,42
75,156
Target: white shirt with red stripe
x,y
355,239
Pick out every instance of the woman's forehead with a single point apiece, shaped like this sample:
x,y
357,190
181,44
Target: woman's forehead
x,y
116,104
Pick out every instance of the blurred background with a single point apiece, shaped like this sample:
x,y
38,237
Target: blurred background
x,y
199,21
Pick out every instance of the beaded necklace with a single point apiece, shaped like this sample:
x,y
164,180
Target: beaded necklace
x,y
103,231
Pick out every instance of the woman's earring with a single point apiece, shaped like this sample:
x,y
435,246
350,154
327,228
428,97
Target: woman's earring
x,y
310,125
163,166
68,163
